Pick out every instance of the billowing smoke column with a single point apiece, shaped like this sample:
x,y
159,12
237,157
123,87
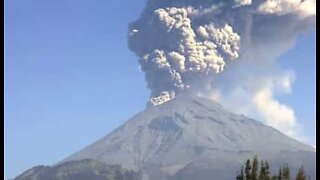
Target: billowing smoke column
x,y
225,50
183,44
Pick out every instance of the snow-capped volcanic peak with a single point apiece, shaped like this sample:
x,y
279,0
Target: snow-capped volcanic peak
x,y
189,130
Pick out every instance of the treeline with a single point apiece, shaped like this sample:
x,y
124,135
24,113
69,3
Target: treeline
x,y
251,170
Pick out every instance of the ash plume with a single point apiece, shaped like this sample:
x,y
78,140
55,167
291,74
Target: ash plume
x,y
223,49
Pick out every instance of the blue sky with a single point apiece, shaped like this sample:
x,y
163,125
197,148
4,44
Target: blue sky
x,y
70,77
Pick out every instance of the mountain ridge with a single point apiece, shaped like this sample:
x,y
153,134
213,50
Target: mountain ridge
x,y
186,129
191,136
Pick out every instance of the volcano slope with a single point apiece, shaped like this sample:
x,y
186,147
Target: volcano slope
x,y
192,138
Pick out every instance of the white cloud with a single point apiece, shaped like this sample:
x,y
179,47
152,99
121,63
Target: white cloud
x,y
242,2
255,97
303,8
273,112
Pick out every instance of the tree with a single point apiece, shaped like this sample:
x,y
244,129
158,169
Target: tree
x,y
279,176
241,175
267,171
248,170
286,172
301,174
262,175
254,168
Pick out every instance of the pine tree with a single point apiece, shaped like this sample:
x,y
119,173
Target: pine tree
x,y
286,173
241,175
248,170
301,174
279,177
262,174
267,171
254,168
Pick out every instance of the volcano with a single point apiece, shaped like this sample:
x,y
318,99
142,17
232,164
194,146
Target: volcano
x,y
192,138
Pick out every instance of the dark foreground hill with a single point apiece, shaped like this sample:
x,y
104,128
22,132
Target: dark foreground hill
x,y
193,138
79,170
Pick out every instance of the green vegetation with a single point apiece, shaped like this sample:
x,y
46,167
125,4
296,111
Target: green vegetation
x,y
250,172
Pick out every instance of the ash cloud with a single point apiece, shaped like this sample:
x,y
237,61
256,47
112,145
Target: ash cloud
x,y
224,49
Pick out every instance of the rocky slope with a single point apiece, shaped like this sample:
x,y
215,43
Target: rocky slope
x,y
193,138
